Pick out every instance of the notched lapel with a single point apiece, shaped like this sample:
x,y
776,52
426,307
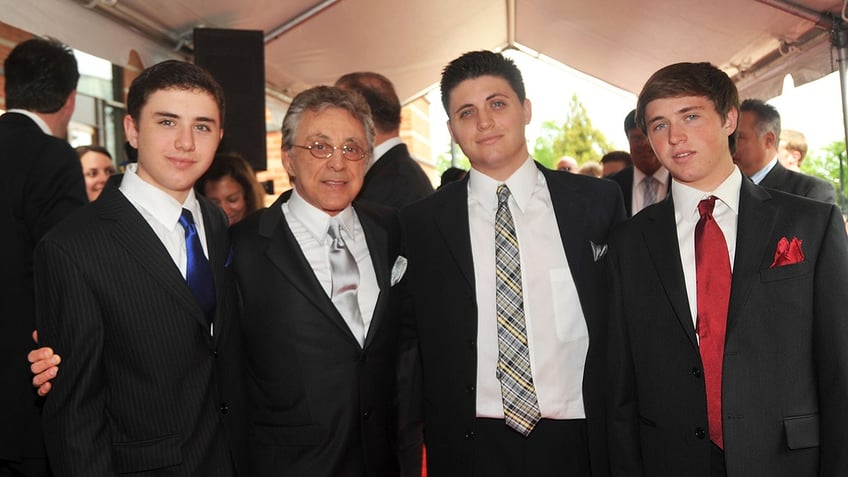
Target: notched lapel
x,y
452,220
378,247
660,235
133,233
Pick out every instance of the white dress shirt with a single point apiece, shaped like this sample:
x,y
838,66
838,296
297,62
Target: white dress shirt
x,y
686,215
637,192
556,329
309,226
162,212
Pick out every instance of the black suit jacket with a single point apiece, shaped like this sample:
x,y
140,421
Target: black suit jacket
x,y
782,179
785,378
440,308
143,386
320,404
624,179
395,180
41,184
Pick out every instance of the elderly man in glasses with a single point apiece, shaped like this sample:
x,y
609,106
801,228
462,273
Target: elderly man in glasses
x,y
320,324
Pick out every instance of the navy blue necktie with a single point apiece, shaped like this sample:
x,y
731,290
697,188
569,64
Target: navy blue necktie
x,y
198,272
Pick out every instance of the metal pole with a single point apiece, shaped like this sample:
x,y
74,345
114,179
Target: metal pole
x,y
840,43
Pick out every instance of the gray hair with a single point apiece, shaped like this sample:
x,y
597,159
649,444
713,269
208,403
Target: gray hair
x,y
321,98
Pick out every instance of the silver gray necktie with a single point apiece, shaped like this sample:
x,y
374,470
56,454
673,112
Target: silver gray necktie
x,y
345,279
649,191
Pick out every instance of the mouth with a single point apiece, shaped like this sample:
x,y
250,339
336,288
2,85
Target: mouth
x,y
489,140
181,162
682,156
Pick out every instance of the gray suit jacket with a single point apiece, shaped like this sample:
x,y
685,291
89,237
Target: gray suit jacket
x,y
785,378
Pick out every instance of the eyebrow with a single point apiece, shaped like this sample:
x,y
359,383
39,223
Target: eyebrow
x,y
166,114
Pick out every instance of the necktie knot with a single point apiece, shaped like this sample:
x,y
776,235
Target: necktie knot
x,y
503,194
335,233
186,219
706,206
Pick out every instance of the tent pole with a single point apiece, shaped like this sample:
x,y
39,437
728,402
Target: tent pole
x,y
840,43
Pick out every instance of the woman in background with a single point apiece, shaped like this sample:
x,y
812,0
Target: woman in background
x,y
97,167
231,184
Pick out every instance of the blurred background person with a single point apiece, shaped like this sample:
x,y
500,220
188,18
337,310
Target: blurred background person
x,y
452,174
231,184
97,167
646,182
792,149
567,163
591,168
41,185
615,161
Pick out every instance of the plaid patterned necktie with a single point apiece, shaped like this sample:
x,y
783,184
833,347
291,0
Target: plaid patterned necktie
x,y
520,405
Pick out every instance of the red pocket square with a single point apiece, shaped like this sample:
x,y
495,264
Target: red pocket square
x,y
788,252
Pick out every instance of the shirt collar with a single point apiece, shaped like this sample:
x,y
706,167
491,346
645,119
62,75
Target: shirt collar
x,y
686,198
521,183
35,118
161,206
660,175
381,149
758,176
316,221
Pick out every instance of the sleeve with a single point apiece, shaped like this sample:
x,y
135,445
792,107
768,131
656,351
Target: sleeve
x,y
830,346
622,405
69,319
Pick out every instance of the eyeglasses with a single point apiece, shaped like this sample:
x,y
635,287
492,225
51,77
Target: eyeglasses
x,y
323,150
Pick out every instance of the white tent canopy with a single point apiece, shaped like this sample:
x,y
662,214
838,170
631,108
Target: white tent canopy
x,y
311,42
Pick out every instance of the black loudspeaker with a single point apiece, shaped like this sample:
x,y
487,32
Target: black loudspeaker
x,y
236,58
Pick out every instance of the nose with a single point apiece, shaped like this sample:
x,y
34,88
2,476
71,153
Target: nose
x,y
185,139
336,161
676,135
484,120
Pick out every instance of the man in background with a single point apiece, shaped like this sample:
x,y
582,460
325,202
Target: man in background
x,y
41,185
647,181
393,177
756,154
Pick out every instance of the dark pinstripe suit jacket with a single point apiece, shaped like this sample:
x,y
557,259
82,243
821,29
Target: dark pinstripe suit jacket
x,y
143,386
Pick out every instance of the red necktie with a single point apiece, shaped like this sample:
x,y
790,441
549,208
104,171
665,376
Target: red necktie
x,y
712,270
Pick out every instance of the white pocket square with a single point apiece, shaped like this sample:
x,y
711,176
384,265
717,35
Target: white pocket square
x,y
398,269
598,251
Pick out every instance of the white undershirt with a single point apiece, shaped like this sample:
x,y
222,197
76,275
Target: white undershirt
x,y
556,329
309,226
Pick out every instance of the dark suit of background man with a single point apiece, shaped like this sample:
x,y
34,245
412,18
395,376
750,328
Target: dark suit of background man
x,y
41,184
393,179
634,179
562,221
778,386
149,383
321,383
756,154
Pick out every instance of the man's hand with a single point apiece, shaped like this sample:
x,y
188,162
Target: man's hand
x,y
44,364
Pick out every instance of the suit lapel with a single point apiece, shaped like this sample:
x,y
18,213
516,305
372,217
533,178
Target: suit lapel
x,y
377,241
755,225
285,253
452,221
219,256
131,231
660,235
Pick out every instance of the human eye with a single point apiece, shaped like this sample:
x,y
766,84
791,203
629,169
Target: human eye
x,y
167,122
320,146
465,113
691,116
91,173
658,126
498,104
352,150
203,127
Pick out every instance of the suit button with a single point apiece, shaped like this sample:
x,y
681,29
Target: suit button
x,y
469,435
225,408
470,388
472,344
366,415
700,433
696,372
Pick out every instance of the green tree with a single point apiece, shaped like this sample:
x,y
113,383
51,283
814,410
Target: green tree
x,y
443,161
829,163
576,137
